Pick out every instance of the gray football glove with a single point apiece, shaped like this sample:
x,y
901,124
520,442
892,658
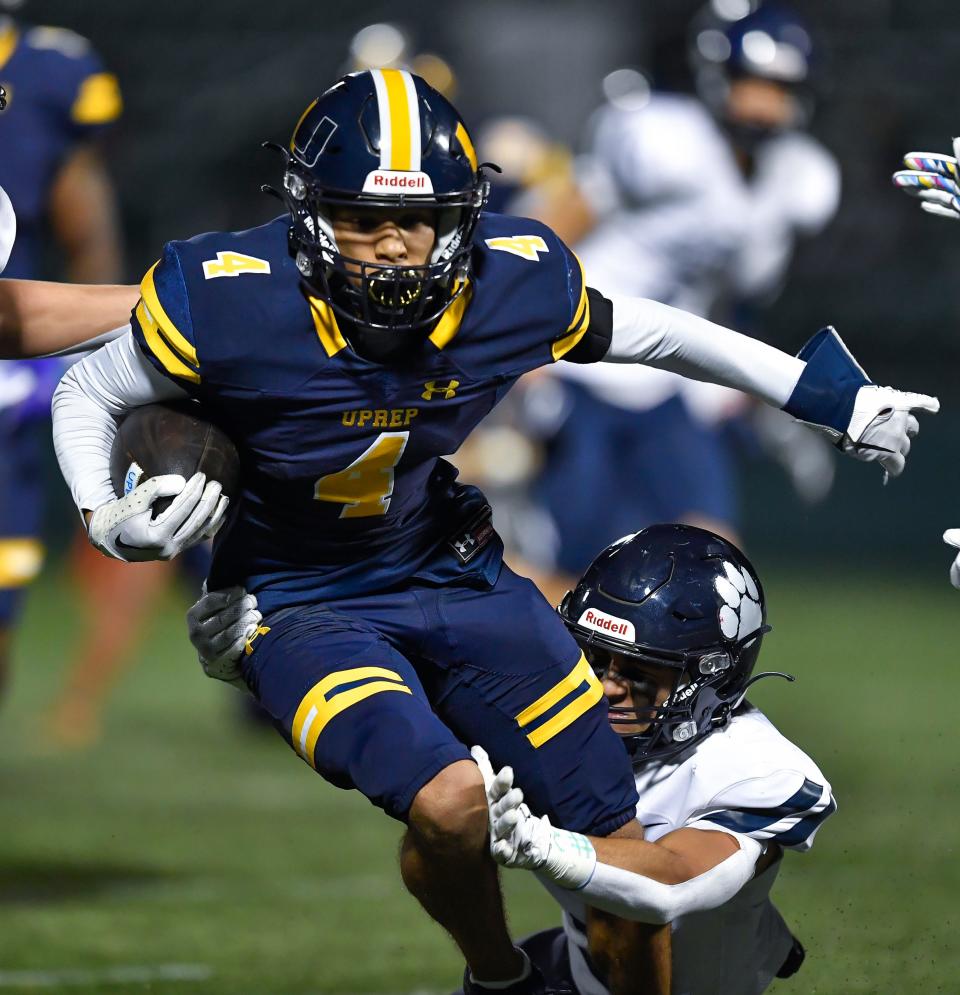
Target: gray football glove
x,y
220,624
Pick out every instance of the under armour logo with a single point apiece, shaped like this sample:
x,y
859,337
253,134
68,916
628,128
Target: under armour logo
x,y
465,545
262,630
433,389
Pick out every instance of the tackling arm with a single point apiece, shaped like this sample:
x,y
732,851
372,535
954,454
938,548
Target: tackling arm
x,y
690,870
40,319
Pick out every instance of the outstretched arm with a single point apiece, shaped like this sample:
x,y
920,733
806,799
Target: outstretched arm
x,y
823,385
39,319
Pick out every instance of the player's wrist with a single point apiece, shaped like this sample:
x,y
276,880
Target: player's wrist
x,y
826,392
570,859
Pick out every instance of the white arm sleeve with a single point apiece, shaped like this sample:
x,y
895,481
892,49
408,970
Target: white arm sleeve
x,y
86,406
669,339
633,896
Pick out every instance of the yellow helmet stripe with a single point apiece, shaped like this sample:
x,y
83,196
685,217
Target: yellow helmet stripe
x,y
464,139
399,119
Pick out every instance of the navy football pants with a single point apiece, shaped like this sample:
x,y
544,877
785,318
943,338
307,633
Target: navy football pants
x,y
381,692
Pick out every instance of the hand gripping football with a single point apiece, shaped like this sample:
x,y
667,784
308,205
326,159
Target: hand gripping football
x,y
159,439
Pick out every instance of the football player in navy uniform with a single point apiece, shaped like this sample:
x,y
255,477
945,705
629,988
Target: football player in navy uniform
x,y
347,346
672,619
58,99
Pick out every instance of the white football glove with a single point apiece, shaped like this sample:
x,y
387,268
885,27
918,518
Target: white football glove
x,y
126,529
220,624
882,426
952,538
934,179
520,839
8,228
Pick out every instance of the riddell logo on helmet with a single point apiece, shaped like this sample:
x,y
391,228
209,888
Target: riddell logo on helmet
x,y
396,181
619,628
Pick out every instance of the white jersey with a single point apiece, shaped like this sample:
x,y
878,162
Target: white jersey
x,y
8,228
747,778
679,223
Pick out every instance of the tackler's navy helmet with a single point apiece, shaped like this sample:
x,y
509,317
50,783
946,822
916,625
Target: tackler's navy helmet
x,y
383,138
678,597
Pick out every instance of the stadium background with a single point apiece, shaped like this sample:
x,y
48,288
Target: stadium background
x,y
181,841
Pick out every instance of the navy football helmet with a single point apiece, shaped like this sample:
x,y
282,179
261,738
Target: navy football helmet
x,y
383,138
677,597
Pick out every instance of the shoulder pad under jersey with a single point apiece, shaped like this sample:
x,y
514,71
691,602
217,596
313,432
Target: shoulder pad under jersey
x,y
528,301
209,304
754,781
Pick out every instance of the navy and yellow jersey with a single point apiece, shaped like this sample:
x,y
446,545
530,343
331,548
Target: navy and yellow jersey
x,y
58,96
344,487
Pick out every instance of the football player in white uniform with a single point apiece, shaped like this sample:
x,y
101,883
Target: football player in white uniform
x,y
671,619
8,225
696,202
934,178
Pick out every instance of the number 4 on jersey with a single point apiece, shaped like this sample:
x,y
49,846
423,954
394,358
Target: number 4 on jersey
x,y
365,487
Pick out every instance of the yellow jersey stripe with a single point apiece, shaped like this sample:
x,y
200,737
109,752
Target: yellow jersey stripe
x,y
171,333
566,716
20,561
561,347
449,323
464,138
8,43
580,673
399,113
98,100
159,347
314,711
325,322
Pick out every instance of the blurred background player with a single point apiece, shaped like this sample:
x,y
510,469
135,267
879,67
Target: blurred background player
x,y
697,203
59,98
672,619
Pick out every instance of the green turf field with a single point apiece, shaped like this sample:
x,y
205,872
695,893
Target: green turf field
x,y
185,854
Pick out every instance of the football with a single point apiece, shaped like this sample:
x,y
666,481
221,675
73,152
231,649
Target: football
x,y
172,438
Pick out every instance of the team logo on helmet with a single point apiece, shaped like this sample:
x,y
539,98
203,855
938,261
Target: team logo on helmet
x,y
740,614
